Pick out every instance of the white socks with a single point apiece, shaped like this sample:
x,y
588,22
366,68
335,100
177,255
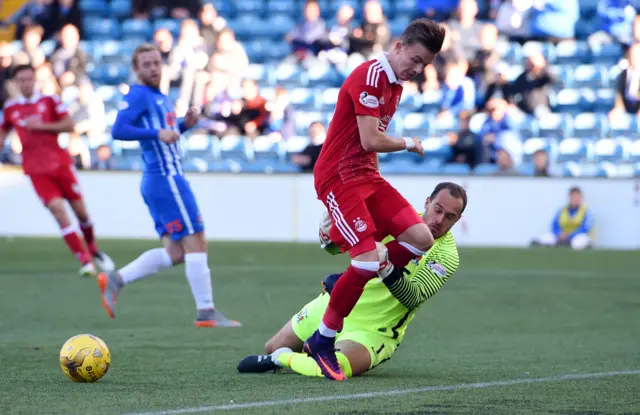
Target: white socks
x,y
146,264
199,277
326,331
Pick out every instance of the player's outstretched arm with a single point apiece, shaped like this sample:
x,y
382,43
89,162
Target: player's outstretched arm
x,y
65,125
375,140
431,275
129,112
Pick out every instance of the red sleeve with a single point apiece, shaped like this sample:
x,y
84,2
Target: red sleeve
x,y
6,119
365,91
59,107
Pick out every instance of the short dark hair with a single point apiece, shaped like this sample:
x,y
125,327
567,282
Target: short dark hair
x,y
426,32
575,189
21,68
454,189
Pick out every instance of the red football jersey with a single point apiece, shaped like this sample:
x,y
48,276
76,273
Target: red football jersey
x,y
371,89
40,150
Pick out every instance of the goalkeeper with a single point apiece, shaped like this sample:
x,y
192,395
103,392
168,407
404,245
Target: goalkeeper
x,y
376,326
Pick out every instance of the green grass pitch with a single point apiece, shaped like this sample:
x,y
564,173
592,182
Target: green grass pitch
x,y
507,315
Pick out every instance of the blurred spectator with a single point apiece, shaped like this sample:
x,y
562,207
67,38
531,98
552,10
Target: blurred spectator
x,y
103,160
496,123
88,112
466,29
211,24
374,35
190,56
498,86
458,91
5,72
509,153
338,37
143,9
628,85
67,12
170,65
308,37
229,63
554,20
217,106
541,164
435,74
249,116
615,22
79,152
513,19
635,36
37,12
31,52
307,159
481,66
465,145
437,9
281,115
572,226
69,62
530,90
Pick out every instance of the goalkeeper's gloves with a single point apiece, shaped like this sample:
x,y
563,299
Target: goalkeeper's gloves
x,y
323,233
329,281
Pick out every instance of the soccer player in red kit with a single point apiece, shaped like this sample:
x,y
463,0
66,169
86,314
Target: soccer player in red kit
x,y
38,119
363,206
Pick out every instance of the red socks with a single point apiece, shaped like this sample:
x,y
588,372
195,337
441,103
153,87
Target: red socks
x,y
75,245
400,255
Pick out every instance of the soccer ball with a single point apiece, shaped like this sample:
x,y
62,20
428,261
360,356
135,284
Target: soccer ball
x,y
85,358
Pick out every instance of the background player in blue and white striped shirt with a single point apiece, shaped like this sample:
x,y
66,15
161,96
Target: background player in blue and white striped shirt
x,y
148,116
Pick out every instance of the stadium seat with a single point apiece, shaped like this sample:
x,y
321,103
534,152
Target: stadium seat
x,y
459,169
127,148
398,24
404,7
49,45
295,145
289,76
584,28
323,76
554,125
622,124
258,73
112,74
248,26
573,149
609,149
268,149
567,101
604,100
120,8
525,169
102,28
304,119
275,52
547,49
634,151
127,163
279,25
436,148
441,126
282,7
531,145
431,101
94,8
589,76
588,125
410,103
195,165
235,147
329,98
172,25
416,124
606,53
303,99
256,7
255,50
571,52
511,52
199,145
528,127
485,169
406,166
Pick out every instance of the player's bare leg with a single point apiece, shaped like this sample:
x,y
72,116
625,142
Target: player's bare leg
x,y
147,264
58,209
101,258
199,277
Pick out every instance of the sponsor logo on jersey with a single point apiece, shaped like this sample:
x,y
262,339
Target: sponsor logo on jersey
x,y
301,315
360,225
381,100
437,269
369,100
171,119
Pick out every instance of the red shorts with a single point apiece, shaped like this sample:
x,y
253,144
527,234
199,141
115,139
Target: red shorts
x,y
61,183
371,208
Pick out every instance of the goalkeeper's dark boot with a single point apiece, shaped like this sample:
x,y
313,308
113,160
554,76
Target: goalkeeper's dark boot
x,y
329,282
257,364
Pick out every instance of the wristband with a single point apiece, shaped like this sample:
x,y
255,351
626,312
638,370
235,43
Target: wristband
x,y
409,143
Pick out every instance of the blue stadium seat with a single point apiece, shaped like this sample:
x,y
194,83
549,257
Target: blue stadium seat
x,y
485,169
554,125
323,76
329,98
436,149
126,148
460,169
120,8
101,28
573,149
304,119
604,100
531,145
547,49
394,127
127,163
112,74
568,100
623,124
94,8
285,168
404,7
49,45
571,52
108,93
398,24
634,151
585,27
256,7
303,99
257,166
195,165
172,25
528,127
511,52
588,125
410,103
258,73
277,51
296,144
609,149
199,145
416,124
431,100
525,169
441,126
406,166
589,76
248,26
606,53
289,7
235,147
267,149
289,76
279,25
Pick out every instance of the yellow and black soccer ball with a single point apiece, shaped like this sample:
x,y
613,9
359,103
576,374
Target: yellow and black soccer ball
x,y
85,358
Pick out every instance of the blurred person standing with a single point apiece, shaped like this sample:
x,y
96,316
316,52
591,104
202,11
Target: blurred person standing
x,y
308,157
69,62
373,35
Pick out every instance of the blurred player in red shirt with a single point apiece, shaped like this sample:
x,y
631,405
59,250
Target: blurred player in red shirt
x,y
38,119
363,206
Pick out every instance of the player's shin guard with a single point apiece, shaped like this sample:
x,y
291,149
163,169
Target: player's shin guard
x,y
307,366
400,253
345,295
89,237
199,277
149,263
75,244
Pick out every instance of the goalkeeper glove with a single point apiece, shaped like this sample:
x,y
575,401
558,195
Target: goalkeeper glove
x,y
323,233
